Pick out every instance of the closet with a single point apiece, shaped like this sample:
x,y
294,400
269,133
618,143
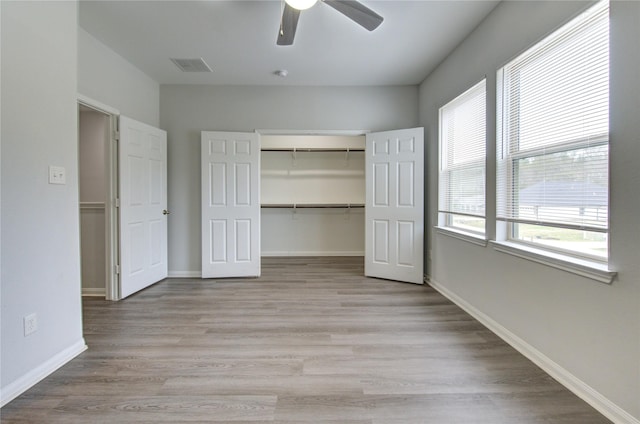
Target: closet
x,y
313,195
93,136
312,191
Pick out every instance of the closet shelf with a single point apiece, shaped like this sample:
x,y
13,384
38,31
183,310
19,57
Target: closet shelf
x,y
312,205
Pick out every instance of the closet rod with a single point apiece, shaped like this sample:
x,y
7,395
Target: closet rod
x,y
314,149
312,206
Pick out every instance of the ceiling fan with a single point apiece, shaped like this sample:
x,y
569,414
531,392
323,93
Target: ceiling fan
x,y
352,9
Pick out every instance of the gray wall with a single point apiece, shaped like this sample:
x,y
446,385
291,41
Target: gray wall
x,y
107,77
588,328
186,110
40,221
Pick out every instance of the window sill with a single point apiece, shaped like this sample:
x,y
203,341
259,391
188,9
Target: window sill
x,y
584,267
462,235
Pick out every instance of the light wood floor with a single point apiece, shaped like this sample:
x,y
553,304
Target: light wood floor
x,y
311,341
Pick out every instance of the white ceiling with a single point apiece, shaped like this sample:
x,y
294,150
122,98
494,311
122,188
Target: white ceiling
x,y
238,40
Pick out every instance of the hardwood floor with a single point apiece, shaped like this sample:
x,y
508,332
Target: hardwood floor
x,y
310,341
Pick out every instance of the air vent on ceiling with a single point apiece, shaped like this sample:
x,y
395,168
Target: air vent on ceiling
x,y
192,65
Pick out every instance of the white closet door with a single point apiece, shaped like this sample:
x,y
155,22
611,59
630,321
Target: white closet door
x,y
394,233
143,205
230,204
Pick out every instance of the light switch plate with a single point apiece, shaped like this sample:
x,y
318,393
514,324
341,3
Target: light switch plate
x,y
57,175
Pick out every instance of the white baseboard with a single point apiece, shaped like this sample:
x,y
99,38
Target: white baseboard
x,y
312,253
30,379
93,292
185,274
564,377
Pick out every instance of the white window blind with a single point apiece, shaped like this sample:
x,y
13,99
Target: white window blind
x,y
553,129
461,183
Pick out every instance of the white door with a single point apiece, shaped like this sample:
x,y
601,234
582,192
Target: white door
x,y
143,205
230,204
394,233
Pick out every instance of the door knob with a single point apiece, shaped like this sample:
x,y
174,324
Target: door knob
x,y
165,212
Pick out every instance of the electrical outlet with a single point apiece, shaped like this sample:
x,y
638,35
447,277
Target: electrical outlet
x,y
30,324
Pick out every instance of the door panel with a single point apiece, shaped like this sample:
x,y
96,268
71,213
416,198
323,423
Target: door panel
x,y
405,242
243,240
230,204
143,198
381,241
217,241
218,184
381,182
406,189
395,205
243,184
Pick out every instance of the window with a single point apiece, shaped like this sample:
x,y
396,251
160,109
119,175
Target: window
x,y
553,136
461,187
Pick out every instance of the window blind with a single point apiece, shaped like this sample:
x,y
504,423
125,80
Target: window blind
x,y
461,184
554,128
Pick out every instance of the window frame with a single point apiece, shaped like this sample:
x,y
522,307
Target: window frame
x,y
506,170
446,223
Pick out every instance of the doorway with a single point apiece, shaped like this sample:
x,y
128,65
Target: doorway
x,y
97,175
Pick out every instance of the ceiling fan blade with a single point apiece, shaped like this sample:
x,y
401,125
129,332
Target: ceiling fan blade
x,y
288,25
357,12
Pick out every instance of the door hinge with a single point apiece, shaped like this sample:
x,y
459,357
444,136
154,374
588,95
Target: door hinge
x,y
117,202
117,269
116,135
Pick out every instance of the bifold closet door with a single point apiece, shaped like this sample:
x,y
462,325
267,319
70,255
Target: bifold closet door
x,y
230,204
394,211
143,205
